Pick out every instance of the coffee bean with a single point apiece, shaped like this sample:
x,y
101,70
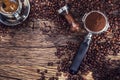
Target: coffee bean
x,y
45,71
50,64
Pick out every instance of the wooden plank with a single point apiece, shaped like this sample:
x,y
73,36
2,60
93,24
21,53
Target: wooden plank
x,y
28,37
14,72
27,56
24,51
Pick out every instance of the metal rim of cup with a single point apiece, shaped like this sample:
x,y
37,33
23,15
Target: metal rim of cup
x,y
104,29
11,14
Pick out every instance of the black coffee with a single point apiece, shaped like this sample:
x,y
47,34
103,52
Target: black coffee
x,y
9,6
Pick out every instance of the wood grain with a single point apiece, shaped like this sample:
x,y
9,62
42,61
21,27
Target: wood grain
x,y
25,50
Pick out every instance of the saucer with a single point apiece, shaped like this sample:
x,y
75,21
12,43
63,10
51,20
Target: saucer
x,y
24,14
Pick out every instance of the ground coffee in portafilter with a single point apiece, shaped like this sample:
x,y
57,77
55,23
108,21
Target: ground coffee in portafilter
x,y
95,22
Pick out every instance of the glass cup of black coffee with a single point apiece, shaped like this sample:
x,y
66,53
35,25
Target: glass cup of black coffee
x,y
11,8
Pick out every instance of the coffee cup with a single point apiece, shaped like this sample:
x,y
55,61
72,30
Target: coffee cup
x,y
11,8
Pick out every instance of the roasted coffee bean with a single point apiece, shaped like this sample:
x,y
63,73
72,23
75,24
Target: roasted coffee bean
x,y
50,64
38,70
45,71
58,74
53,78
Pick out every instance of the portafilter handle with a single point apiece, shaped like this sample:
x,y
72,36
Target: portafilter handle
x,y
74,68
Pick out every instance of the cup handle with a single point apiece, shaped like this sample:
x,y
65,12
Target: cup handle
x,y
17,16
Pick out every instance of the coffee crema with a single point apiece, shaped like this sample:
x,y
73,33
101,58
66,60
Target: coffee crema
x,y
9,6
95,22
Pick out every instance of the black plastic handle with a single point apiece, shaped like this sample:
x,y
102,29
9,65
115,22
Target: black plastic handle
x,y
80,55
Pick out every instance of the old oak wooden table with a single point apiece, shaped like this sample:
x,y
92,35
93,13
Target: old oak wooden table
x,y
28,49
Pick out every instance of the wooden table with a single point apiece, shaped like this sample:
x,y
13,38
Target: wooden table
x,y
25,50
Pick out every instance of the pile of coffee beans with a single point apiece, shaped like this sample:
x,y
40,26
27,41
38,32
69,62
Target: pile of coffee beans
x,y
101,45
